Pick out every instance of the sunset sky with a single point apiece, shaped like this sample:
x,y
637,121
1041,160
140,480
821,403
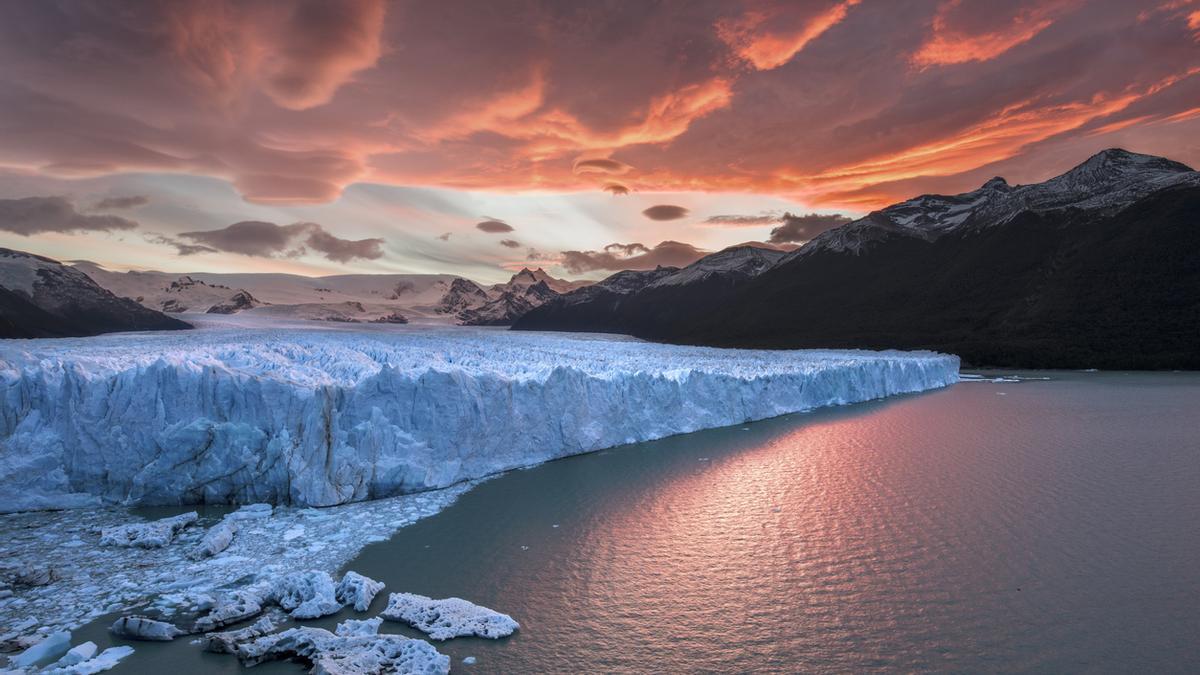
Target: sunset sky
x,y
478,137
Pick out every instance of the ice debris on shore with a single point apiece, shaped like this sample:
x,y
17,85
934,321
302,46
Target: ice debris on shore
x,y
217,538
88,581
448,618
155,534
322,417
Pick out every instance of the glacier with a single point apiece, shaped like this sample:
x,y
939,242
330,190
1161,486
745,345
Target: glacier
x,y
317,416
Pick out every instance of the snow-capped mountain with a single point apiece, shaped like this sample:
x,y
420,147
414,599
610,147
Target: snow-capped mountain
x,y
1096,267
1107,182
463,294
528,277
744,261
171,294
348,297
510,301
591,307
388,298
41,297
508,306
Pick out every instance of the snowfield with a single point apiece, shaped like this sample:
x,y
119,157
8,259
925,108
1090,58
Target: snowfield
x,y
318,415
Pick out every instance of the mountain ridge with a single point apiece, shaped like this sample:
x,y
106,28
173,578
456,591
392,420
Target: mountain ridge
x,y
41,297
1002,275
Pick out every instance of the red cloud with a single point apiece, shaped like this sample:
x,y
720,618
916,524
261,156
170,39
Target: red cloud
x,y
755,36
293,101
979,30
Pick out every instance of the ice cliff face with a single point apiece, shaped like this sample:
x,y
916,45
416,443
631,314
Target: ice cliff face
x,y
323,416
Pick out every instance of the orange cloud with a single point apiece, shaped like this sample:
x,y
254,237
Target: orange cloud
x,y
291,105
1002,136
299,54
950,45
748,36
600,165
522,114
321,45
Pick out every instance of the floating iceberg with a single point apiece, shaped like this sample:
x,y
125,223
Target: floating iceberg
x,y
144,628
331,415
347,654
105,660
49,649
227,642
307,595
448,618
351,627
358,590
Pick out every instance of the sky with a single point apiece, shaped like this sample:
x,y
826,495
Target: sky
x,y
475,138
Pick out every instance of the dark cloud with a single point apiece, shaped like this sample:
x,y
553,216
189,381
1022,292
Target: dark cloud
x,y
343,250
117,203
744,221
268,240
181,247
510,243
804,227
321,45
665,212
617,257
610,166
32,215
445,236
493,226
626,249
252,237
615,188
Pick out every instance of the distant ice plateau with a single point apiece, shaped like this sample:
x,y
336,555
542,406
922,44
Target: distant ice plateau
x,y
319,416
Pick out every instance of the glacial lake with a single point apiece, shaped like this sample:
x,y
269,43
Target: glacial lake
x,y
1041,525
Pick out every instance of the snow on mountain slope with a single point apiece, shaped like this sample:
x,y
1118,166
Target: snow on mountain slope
x,y
463,294
1107,181
745,261
527,277
335,414
511,304
41,297
361,297
507,302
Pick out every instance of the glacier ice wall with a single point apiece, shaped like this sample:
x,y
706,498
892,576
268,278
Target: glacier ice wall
x,y
323,416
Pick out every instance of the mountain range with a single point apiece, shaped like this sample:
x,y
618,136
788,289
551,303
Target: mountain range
x,y
391,298
1094,268
1098,267
41,297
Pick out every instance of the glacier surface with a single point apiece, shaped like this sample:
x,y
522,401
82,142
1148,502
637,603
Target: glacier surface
x,y
318,416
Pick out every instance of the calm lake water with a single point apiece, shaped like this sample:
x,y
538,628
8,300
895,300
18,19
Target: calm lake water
x,y
1042,525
